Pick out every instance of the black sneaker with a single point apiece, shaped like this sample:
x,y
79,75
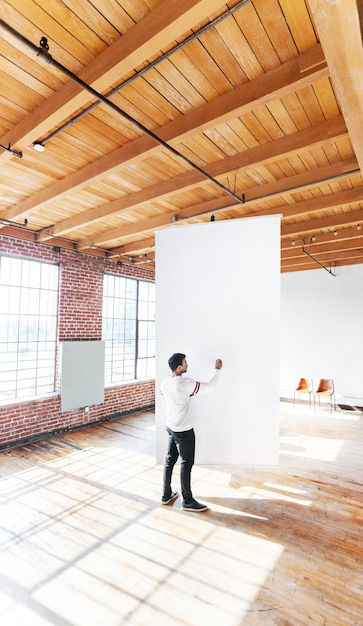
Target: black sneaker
x,y
194,506
173,496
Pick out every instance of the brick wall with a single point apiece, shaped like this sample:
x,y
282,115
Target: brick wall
x,y
80,318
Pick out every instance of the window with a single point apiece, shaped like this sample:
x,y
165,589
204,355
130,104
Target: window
x,y
128,328
28,328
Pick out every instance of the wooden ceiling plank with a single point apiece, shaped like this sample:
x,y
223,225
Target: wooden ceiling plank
x,y
186,181
264,89
302,229
222,107
206,64
301,208
166,23
323,239
281,148
211,206
255,34
285,185
301,28
271,16
331,242
342,243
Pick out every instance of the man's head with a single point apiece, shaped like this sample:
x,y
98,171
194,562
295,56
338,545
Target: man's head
x,y
177,362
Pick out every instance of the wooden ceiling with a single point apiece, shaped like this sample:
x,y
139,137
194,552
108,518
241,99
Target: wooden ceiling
x,y
157,113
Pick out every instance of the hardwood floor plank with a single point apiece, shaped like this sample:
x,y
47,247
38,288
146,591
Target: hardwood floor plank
x,y
85,542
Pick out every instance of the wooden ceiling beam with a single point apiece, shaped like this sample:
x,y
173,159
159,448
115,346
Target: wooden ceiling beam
x,y
243,99
320,203
307,139
330,258
317,248
266,88
343,234
303,229
346,239
339,27
304,181
298,267
164,24
183,182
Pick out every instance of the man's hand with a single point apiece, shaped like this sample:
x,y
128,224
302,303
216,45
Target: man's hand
x,y
218,364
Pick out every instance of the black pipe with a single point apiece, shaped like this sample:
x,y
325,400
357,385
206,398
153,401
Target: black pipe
x,y
153,64
316,261
43,53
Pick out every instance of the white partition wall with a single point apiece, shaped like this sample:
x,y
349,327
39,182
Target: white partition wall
x,y
218,295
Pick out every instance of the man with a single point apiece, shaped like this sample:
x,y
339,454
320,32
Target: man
x,y
177,392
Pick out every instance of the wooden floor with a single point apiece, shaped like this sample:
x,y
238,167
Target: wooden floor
x,y
85,542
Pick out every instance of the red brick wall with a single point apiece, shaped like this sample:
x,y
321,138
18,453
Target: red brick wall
x,y
80,318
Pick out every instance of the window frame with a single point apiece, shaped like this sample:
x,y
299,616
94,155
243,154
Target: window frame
x,y
29,333
140,360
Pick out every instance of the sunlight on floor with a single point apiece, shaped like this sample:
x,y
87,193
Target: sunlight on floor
x,y
85,542
311,447
76,550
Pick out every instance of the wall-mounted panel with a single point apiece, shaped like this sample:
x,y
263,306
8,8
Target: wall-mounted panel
x,y
82,373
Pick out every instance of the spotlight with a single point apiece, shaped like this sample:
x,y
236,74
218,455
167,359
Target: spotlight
x,y
38,146
335,233
293,242
359,227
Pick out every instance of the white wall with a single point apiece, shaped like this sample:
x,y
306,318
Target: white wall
x,y
322,330
218,295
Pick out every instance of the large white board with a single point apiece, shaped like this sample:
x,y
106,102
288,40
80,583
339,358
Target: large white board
x,y
218,295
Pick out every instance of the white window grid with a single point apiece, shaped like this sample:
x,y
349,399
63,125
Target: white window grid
x,y
128,329
28,328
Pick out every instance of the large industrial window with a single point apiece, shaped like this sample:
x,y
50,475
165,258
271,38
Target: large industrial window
x,y
128,329
28,328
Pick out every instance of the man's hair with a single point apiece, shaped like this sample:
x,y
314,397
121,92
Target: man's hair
x,y
175,360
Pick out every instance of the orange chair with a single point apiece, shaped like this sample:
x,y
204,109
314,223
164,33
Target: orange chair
x,y
305,385
326,388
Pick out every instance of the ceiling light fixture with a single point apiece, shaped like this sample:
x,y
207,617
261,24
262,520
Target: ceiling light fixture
x,y
38,146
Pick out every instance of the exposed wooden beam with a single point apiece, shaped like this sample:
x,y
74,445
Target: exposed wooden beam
x,y
338,24
166,23
303,229
262,155
346,239
343,234
243,99
317,248
312,205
